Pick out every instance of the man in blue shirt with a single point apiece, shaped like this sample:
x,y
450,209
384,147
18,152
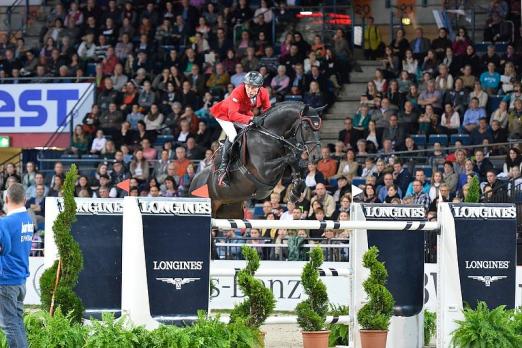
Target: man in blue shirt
x,y
420,177
490,80
473,115
16,235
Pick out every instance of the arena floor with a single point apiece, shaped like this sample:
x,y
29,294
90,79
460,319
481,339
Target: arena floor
x,y
278,336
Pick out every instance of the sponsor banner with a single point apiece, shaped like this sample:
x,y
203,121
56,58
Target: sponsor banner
x,y
43,108
98,231
177,275
403,254
287,290
32,285
487,270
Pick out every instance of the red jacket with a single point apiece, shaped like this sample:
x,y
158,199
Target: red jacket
x,y
238,108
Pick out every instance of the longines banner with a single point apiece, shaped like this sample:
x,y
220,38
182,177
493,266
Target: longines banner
x,y
177,252
486,248
403,254
99,283
166,259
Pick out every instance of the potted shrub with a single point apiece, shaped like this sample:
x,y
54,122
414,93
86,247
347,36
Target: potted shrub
x,y
483,327
259,301
374,317
311,313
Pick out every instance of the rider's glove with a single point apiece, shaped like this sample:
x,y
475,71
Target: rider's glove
x,y
258,121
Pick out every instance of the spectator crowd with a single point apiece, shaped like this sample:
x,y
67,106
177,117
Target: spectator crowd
x,y
160,66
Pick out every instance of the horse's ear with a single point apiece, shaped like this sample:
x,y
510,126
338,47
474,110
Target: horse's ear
x,y
319,110
308,111
305,111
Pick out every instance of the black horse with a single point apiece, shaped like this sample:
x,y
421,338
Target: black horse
x,y
267,151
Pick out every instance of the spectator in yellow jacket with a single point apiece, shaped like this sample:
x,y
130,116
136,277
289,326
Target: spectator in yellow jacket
x,y
372,40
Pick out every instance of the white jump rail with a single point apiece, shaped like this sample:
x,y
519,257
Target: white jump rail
x,y
327,224
283,272
292,319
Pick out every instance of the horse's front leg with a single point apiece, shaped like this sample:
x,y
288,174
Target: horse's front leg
x,y
298,184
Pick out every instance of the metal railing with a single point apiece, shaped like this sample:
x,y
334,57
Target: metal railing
x,y
17,15
335,249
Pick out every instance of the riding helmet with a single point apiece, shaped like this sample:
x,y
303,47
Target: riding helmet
x,y
254,78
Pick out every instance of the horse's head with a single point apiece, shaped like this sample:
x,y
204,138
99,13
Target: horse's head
x,y
298,123
307,134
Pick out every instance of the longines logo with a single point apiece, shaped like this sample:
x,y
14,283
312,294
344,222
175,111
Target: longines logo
x,y
485,212
394,212
487,280
174,208
178,282
490,264
94,207
177,265
487,264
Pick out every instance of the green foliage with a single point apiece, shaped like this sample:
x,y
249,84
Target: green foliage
x,y
110,333
211,333
430,326
473,191
311,313
338,332
58,331
376,314
3,340
517,321
259,301
70,255
483,327
170,336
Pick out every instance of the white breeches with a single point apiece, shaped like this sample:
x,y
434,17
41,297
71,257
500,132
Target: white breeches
x,y
228,128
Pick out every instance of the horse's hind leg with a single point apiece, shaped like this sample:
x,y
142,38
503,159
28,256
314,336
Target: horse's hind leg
x,y
230,211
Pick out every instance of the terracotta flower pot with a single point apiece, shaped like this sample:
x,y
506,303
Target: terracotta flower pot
x,y
373,338
315,339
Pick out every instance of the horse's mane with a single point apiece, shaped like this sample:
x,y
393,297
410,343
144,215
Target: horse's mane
x,y
295,106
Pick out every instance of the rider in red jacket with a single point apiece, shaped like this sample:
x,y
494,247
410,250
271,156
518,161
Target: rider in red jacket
x,y
237,108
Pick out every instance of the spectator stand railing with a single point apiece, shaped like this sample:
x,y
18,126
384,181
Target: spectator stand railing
x,y
86,166
229,248
16,16
415,158
422,154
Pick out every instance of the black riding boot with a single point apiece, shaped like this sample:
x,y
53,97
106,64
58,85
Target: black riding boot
x,y
222,174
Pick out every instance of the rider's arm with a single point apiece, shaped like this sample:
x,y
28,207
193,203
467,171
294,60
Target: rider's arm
x,y
233,113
